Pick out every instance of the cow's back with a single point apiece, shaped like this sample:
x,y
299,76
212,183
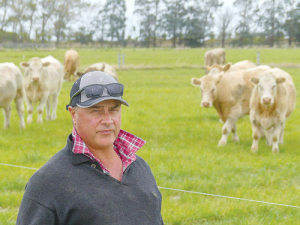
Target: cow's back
x,y
99,67
242,65
10,82
214,56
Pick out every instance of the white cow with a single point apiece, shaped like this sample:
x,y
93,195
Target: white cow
x,y
229,94
43,80
102,66
272,101
71,64
11,88
214,56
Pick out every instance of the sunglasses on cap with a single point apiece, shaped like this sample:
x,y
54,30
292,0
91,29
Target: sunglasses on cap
x,y
96,90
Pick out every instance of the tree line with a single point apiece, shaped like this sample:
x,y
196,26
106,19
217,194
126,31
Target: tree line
x,y
192,23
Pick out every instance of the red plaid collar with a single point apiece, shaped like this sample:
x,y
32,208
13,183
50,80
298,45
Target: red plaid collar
x,y
125,145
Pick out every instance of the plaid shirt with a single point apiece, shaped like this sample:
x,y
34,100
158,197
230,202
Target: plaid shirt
x,y
125,145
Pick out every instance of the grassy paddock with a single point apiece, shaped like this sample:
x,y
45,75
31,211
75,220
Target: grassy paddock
x,y
181,141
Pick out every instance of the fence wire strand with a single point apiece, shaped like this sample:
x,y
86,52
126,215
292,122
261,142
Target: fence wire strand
x,y
185,191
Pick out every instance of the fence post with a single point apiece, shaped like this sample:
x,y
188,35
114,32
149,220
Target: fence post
x,y
258,58
119,60
123,59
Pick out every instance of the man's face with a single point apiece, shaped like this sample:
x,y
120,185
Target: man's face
x,y
99,125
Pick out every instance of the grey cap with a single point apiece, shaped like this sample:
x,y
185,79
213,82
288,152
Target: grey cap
x,y
90,78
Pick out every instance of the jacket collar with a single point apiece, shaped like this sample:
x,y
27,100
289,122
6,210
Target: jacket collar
x,y
76,158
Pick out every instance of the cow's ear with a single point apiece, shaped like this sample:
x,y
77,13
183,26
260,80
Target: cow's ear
x,y
280,80
79,74
45,64
24,64
208,68
103,66
219,77
254,80
227,67
196,82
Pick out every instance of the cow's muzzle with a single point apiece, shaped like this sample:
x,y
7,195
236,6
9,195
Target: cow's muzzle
x,y
266,101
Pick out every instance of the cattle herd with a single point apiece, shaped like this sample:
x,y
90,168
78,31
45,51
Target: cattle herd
x,y
267,94
41,84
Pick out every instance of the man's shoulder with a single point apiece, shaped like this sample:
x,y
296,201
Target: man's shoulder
x,y
55,163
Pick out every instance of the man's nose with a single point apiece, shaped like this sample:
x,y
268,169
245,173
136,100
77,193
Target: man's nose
x,y
107,118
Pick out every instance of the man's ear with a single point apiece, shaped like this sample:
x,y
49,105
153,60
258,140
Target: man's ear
x,y
72,112
196,82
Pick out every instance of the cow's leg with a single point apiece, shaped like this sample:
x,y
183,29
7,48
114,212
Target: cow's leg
x,y
281,134
256,135
275,138
235,136
230,126
48,109
6,112
41,107
269,133
20,109
29,110
226,129
54,105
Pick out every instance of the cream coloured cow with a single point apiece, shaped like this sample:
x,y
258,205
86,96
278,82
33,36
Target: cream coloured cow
x,y
272,102
71,64
11,88
43,80
102,66
214,56
229,94
242,65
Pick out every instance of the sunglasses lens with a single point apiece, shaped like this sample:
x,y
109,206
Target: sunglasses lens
x,y
115,89
93,91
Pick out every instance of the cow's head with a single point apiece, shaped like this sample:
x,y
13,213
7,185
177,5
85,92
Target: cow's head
x,y
34,68
267,85
208,87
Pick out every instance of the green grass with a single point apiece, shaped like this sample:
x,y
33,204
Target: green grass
x,y
181,137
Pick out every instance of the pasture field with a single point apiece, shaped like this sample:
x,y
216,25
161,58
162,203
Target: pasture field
x,y
181,137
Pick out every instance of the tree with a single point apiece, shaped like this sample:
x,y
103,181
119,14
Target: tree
x,y
4,16
65,12
18,17
200,20
271,20
173,19
149,11
225,19
32,7
46,9
115,22
291,25
247,11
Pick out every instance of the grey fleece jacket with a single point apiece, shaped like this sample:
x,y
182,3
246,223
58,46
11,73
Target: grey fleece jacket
x,y
71,189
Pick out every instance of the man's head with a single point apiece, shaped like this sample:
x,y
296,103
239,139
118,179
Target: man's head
x,y
95,107
95,87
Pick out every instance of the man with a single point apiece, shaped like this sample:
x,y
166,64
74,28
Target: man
x,y
97,178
